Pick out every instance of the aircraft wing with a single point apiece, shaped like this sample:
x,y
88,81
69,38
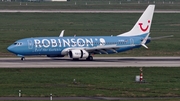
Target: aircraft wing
x,y
98,49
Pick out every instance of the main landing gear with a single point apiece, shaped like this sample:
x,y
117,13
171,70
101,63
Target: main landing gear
x,y
89,58
22,58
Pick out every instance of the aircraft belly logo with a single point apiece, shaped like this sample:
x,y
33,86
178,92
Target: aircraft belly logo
x,y
144,29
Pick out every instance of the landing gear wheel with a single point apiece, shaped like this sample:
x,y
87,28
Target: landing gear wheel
x,y
90,58
22,58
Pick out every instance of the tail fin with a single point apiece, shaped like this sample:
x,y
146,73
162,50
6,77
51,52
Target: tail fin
x,y
143,25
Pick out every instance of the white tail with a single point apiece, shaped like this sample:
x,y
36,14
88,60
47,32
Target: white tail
x,y
143,25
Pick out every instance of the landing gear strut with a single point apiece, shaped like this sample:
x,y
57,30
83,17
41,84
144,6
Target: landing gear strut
x,y
90,58
22,58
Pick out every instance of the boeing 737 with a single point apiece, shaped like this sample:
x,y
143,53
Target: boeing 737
x,y
77,47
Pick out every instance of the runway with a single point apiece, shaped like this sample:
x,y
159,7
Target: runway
x,y
99,62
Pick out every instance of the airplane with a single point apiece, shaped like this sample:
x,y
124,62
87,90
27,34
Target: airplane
x,y
83,47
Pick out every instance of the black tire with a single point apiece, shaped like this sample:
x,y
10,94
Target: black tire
x,y
90,58
22,58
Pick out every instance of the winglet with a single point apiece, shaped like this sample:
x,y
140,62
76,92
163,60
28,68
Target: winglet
x,y
62,33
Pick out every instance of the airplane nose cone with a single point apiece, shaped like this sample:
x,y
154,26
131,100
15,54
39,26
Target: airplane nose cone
x,y
10,48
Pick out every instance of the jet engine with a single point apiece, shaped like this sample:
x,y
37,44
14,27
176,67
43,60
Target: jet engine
x,y
76,54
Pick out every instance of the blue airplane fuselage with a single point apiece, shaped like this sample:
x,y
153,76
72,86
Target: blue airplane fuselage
x,y
55,45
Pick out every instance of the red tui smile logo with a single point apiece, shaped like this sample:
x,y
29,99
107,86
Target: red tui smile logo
x,y
144,29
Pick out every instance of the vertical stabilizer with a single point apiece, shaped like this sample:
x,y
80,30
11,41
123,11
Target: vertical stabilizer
x,y
143,25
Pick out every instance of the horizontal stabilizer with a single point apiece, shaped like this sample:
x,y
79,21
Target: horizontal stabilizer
x,y
144,46
144,41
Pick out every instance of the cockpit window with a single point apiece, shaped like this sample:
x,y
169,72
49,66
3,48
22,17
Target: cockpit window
x,y
18,43
15,43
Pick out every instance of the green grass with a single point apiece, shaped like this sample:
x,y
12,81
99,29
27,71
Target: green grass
x,y
92,4
112,82
15,26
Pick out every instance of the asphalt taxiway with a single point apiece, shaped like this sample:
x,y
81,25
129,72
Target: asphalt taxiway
x,y
44,62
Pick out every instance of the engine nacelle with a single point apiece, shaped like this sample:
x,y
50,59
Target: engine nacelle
x,y
78,54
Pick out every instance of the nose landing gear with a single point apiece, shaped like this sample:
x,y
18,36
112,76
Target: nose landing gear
x,y
22,58
90,58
